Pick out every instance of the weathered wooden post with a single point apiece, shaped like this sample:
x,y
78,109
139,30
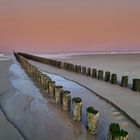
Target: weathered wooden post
x,y
76,68
92,117
100,74
47,83
60,64
34,73
69,65
115,133
38,76
52,88
88,72
42,79
31,71
136,85
76,108
45,77
73,67
124,82
66,100
114,79
84,70
58,94
79,69
94,73
107,76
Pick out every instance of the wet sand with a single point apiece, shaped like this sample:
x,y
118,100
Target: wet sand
x,y
108,113
7,128
123,98
34,116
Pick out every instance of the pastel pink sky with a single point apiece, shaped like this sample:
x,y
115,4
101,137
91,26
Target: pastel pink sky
x,y
69,25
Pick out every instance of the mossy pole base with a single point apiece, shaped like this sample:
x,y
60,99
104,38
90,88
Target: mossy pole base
x,y
66,100
92,117
107,76
52,88
124,82
136,85
77,108
94,73
58,94
115,133
100,74
114,79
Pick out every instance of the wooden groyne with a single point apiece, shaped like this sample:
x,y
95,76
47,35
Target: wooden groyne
x,y
61,96
93,73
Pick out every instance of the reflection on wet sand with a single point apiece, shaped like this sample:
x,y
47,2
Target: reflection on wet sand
x,y
40,118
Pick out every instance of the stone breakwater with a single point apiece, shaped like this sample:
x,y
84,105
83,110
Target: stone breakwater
x,y
63,97
90,72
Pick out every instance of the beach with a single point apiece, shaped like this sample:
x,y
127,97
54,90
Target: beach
x,y
123,98
33,115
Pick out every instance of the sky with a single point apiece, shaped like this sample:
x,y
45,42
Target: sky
x,y
69,25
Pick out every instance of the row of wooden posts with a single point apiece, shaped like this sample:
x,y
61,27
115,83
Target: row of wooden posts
x,y
94,73
63,98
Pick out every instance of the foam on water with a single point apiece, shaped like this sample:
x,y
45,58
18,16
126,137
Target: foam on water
x,y
4,57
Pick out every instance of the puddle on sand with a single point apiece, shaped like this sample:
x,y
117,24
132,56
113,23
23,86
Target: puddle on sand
x,y
108,113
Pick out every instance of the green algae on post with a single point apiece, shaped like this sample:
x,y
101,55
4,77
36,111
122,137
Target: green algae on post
x,y
58,94
114,79
124,82
136,85
94,73
116,133
52,88
107,76
76,108
66,100
100,74
92,117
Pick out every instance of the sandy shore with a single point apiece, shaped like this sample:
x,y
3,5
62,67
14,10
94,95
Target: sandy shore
x,y
31,114
7,128
123,98
28,114
121,64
